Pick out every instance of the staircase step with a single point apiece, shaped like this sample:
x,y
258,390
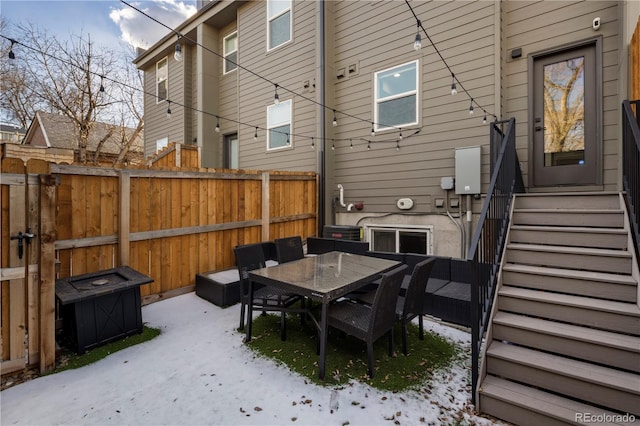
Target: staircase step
x,y
580,380
597,313
588,259
569,217
579,200
612,238
598,346
527,406
580,283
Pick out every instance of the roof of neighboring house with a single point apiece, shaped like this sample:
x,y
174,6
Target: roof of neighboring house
x,y
11,134
58,131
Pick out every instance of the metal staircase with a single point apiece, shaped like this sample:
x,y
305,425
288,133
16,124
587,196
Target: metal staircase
x,y
563,345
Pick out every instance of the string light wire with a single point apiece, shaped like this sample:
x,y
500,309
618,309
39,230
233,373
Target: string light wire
x,y
455,79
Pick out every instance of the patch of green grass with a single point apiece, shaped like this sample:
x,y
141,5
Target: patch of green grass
x,y
346,357
71,360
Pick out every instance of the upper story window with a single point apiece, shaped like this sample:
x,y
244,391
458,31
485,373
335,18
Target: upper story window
x,y
230,51
278,23
162,80
396,96
279,125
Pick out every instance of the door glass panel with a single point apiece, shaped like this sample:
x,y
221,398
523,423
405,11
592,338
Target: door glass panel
x,y
564,113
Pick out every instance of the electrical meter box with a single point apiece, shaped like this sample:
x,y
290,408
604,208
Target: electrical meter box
x,y
468,170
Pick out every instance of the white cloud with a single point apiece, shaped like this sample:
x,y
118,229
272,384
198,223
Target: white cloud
x,y
139,30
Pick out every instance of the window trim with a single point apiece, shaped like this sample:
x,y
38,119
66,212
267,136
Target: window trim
x,y
166,80
225,53
427,229
290,122
271,18
377,101
162,143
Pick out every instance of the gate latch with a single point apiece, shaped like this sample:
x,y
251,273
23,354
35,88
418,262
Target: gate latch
x,y
28,235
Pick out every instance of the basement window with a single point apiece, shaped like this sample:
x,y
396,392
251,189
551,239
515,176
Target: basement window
x,y
401,239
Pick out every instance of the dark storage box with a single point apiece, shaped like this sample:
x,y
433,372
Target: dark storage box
x,y
220,288
101,307
344,232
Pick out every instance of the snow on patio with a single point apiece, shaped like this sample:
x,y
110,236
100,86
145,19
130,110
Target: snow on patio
x,y
198,371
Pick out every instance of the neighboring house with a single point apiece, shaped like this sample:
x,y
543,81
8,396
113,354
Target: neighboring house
x,y
357,57
11,134
57,131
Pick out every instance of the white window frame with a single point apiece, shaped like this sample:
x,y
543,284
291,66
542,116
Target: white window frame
x,y
162,143
227,53
271,125
377,100
427,229
162,79
271,18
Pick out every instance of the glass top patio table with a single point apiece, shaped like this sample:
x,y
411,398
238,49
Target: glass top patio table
x,y
323,278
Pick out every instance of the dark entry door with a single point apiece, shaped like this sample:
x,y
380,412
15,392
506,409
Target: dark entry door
x,y
566,142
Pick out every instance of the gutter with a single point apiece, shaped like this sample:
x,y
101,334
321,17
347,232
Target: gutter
x,y
322,160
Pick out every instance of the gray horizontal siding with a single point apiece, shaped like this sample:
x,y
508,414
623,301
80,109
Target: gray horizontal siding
x,y
464,35
157,126
288,66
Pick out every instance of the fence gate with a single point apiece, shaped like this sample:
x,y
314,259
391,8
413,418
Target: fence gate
x,y
19,270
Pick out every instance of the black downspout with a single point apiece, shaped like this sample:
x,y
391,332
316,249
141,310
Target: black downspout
x,y
321,145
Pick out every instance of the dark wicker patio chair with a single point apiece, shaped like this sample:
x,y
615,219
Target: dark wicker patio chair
x,y
265,298
369,323
411,305
289,249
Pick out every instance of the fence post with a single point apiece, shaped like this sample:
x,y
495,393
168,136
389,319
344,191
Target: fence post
x,y
124,212
265,206
47,268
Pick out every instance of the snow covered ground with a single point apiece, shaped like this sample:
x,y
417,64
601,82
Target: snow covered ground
x,y
198,371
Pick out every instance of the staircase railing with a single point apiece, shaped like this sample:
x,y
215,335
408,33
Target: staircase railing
x,y
631,164
488,241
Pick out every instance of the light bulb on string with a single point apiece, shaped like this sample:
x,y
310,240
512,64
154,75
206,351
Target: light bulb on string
x,y
373,130
217,124
255,135
178,52
454,90
368,145
350,143
276,98
484,120
11,54
102,84
288,141
471,107
417,43
313,144
333,145
335,120
168,109
400,135
397,145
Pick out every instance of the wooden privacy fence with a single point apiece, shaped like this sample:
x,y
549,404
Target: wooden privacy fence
x,y
168,224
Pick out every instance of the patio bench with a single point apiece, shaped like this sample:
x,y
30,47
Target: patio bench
x,y
222,288
448,292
